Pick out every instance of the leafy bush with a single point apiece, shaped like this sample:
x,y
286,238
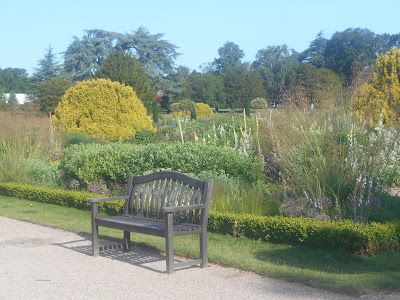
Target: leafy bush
x,y
72,138
145,136
259,103
380,97
104,108
93,162
203,110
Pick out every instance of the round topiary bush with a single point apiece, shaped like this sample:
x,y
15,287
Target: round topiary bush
x,y
203,110
259,103
103,108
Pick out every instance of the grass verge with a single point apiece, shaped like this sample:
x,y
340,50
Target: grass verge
x,y
335,271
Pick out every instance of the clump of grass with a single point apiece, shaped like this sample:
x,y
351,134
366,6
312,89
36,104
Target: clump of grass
x,y
240,197
27,145
335,164
28,136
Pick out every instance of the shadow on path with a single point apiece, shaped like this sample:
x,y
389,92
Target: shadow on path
x,y
146,257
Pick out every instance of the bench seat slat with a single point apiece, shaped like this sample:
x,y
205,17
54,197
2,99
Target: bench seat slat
x,y
145,225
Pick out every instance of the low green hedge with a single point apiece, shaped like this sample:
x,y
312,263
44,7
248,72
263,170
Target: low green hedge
x,y
77,199
360,239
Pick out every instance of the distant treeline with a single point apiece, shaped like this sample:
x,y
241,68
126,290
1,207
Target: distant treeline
x,y
277,73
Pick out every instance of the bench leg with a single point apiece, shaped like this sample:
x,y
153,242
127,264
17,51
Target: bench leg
x,y
203,249
95,240
95,229
127,240
169,242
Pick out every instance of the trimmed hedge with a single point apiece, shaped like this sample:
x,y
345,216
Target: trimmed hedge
x,y
360,239
77,199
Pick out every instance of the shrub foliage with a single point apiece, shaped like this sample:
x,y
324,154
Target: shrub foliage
x,y
103,108
380,97
93,162
259,103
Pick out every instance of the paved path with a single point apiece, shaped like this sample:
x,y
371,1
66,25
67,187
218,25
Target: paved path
x,y
41,262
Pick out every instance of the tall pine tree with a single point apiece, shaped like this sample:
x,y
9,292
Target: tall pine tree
x,y
48,67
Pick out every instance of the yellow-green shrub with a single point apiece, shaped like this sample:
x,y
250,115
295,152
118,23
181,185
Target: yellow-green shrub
x,y
103,108
203,110
381,95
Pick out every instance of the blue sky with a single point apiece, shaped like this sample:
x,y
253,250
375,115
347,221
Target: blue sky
x,y
198,28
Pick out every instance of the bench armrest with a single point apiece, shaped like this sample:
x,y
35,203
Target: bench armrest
x,y
98,200
171,209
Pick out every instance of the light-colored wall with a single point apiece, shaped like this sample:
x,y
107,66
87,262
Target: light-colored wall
x,y
21,98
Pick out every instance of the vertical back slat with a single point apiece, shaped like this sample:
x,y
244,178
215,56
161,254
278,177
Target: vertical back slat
x,y
180,196
171,193
148,198
132,198
189,192
160,193
164,196
143,197
137,198
129,194
198,201
192,202
153,197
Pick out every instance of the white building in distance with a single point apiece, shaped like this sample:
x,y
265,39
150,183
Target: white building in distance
x,y
21,98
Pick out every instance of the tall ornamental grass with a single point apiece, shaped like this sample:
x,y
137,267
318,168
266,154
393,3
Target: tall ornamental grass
x,y
27,145
336,164
27,136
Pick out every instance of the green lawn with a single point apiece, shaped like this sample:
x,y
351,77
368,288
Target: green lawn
x,y
336,271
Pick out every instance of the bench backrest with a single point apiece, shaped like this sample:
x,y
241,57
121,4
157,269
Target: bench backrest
x,y
148,194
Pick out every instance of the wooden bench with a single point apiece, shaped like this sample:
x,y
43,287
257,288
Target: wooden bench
x,y
164,204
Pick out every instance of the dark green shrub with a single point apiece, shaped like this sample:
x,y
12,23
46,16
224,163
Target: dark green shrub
x,y
75,138
145,137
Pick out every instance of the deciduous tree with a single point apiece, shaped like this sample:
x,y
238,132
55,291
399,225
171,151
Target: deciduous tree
x,y
273,63
230,55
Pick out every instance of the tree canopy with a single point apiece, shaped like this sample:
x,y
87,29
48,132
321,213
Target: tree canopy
x,y
123,67
50,93
48,67
15,80
84,57
273,63
230,55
